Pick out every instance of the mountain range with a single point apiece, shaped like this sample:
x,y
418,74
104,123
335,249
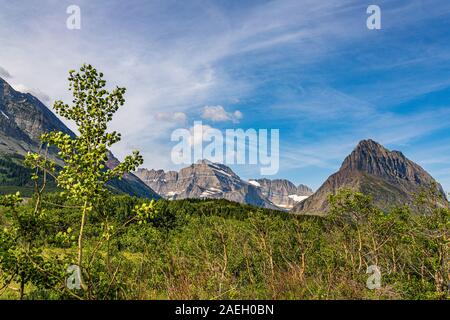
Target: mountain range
x,y
206,179
388,176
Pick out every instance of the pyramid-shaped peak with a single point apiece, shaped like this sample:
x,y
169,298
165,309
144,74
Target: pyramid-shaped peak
x,y
369,144
204,161
367,154
371,157
388,176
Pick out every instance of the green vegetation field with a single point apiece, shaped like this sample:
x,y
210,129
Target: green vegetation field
x,y
215,249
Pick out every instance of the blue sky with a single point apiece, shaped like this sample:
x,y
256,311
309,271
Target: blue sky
x,y
309,68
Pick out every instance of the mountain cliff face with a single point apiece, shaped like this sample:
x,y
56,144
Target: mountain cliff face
x,y
23,119
281,192
388,176
204,179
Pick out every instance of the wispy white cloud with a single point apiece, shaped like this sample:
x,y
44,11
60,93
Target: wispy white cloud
x,y
173,117
42,96
4,73
218,114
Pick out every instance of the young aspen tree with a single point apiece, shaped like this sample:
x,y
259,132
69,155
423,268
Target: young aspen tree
x,y
84,174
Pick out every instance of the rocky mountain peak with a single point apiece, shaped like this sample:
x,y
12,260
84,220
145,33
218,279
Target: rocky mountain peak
x,y
388,176
304,189
365,156
372,158
5,88
281,192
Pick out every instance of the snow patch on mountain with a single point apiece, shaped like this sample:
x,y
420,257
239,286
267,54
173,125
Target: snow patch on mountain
x,y
297,198
255,183
4,114
209,192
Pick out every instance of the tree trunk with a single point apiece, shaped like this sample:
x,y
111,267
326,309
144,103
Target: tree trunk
x,y
80,244
22,288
